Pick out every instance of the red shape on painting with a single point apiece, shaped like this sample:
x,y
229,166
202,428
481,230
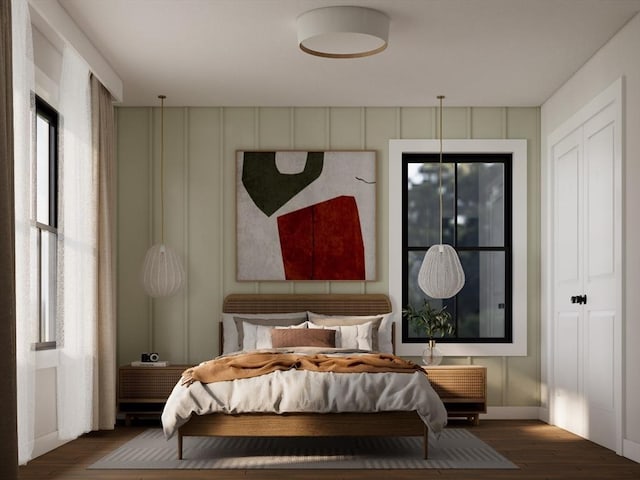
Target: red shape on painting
x,y
323,241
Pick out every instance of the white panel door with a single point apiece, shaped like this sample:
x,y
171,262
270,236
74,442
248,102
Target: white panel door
x,y
601,315
568,405
586,279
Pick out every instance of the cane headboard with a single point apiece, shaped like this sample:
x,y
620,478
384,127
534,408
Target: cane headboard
x,y
329,304
325,303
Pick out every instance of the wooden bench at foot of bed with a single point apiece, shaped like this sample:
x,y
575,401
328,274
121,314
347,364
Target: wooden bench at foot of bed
x,y
384,424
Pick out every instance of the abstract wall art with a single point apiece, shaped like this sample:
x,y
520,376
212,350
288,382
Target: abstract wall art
x,y
306,215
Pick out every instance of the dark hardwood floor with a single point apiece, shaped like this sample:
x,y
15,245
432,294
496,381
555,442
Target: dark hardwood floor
x,y
540,451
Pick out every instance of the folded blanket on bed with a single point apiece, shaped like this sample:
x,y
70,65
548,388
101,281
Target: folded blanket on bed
x,y
250,365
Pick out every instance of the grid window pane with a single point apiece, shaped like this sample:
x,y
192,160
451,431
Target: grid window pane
x,y
48,269
416,295
423,204
42,170
481,303
480,218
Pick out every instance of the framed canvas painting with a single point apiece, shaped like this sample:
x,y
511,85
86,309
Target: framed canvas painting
x,y
306,215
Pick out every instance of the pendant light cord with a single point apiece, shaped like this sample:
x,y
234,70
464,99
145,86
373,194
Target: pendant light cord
x,y
162,97
440,97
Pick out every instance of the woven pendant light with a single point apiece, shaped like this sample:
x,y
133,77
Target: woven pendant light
x,y
162,271
441,274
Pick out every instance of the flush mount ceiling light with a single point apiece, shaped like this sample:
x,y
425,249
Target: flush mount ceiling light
x,y
343,32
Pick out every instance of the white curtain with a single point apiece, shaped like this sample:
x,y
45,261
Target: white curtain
x,y
77,251
26,246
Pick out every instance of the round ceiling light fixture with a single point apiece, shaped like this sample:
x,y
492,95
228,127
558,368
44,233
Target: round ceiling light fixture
x,y
343,32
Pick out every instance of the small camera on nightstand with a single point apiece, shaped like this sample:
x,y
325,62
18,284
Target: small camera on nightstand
x,y
149,357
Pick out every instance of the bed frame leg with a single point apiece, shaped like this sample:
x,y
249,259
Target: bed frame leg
x,y
179,446
426,442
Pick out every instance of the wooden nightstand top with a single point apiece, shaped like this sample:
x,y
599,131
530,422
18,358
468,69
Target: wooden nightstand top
x,y
151,369
452,367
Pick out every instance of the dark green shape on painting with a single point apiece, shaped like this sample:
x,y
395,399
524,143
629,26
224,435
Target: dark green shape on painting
x,y
268,188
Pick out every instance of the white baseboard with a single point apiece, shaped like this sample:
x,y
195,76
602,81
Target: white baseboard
x,y
543,414
46,443
511,413
631,450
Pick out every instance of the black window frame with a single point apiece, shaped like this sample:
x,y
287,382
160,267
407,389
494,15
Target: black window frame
x,y
456,158
50,114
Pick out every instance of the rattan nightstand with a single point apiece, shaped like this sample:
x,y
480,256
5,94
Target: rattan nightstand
x,y
143,391
462,388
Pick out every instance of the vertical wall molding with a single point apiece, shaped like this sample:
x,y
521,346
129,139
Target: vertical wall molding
x,y
363,128
292,128
328,145
435,128
505,381
256,128
536,147
185,231
256,143
221,205
327,128
505,123
363,146
150,162
292,146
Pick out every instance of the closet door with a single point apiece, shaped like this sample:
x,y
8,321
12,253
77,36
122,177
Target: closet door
x,y
585,168
601,318
568,316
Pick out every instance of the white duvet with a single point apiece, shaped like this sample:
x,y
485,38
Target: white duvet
x,y
307,391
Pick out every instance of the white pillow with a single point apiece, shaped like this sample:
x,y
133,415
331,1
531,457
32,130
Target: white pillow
x,y
385,338
230,342
350,336
257,337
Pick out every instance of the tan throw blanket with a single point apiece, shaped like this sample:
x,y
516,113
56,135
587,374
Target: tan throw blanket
x,y
250,365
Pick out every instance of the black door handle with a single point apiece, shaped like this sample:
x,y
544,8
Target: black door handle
x,y
579,299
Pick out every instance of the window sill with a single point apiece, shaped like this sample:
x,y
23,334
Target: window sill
x,y
45,346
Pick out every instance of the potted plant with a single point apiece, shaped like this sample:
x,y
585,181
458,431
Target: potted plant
x,y
436,323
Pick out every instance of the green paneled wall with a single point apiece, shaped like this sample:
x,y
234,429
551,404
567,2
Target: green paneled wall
x,y
200,146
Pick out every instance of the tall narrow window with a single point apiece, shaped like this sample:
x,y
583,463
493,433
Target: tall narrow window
x,y
476,220
46,219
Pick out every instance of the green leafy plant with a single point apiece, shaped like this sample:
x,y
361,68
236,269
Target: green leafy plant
x,y
435,322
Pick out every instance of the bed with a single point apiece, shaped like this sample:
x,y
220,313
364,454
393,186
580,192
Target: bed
x,y
186,415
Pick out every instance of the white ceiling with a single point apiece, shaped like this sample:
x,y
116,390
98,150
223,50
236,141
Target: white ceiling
x,y
245,53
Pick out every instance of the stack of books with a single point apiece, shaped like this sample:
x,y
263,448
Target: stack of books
x,y
161,363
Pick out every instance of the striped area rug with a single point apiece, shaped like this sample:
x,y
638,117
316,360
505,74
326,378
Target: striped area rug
x,y
455,448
